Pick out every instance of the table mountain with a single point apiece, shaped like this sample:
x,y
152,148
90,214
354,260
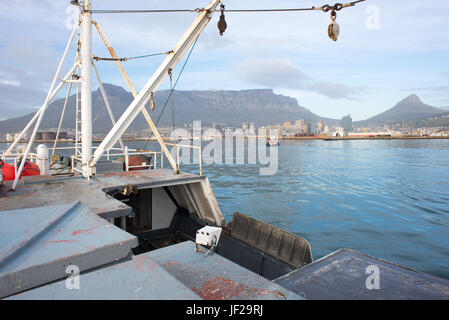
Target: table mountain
x,y
231,107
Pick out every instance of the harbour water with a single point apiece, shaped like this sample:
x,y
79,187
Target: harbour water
x,y
386,198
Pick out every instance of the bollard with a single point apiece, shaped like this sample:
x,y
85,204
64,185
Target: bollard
x,y
42,159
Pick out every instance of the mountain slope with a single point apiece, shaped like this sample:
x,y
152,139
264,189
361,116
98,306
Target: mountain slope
x,y
231,107
411,108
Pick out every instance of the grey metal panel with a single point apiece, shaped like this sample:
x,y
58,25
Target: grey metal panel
x,y
56,191
213,277
281,244
163,209
197,200
342,275
140,278
38,244
192,193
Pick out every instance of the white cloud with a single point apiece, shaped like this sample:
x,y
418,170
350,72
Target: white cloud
x,y
271,72
335,90
13,83
280,73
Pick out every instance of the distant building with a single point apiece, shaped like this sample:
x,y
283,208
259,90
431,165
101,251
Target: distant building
x,y
271,130
347,124
218,126
319,127
245,126
307,126
9,137
371,134
48,136
287,125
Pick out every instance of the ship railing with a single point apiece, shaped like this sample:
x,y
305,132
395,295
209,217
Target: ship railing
x,y
126,155
14,159
180,146
76,159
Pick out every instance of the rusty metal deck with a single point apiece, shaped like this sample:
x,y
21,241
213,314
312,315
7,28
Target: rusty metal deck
x,y
213,277
38,244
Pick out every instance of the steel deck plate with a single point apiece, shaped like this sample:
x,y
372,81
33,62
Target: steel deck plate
x,y
140,278
40,191
213,277
38,244
343,275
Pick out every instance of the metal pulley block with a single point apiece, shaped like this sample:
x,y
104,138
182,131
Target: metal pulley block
x,y
333,29
222,25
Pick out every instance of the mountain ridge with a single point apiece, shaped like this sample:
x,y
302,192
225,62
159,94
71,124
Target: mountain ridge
x,y
260,106
408,109
232,107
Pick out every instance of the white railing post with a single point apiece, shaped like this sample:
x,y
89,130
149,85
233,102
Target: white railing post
x,y
162,160
126,159
177,157
155,160
201,165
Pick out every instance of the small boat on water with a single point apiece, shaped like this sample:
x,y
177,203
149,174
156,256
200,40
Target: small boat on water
x,y
272,141
142,231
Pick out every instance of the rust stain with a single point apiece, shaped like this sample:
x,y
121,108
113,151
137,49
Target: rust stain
x,y
139,265
170,263
82,231
62,241
219,288
143,263
278,294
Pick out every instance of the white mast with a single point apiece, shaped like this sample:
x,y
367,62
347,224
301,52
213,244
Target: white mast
x,y
86,92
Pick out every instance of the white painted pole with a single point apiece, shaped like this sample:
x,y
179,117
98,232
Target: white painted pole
x,y
50,95
86,91
69,89
106,102
36,127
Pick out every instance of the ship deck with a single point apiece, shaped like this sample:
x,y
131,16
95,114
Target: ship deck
x,y
40,191
174,272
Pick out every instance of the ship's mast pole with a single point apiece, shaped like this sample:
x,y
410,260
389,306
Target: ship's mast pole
x,y
86,93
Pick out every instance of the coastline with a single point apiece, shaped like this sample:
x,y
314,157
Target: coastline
x,y
284,138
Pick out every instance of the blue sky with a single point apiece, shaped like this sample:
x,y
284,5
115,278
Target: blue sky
x,y
364,73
